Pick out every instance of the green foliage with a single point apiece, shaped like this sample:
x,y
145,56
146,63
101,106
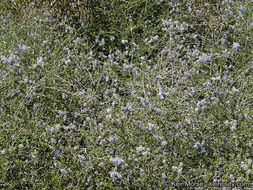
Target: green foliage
x,y
12,6
156,91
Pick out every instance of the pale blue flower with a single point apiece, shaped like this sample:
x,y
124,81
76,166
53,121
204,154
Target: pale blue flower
x,y
169,148
224,141
235,45
201,102
199,147
129,106
53,141
117,160
64,172
143,58
22,47
140,149
226,122
234,89
12,59
64,95
26,79
51,129
115,175
133,92
61,112
214,98
21,70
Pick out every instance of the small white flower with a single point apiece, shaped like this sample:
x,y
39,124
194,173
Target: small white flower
x,y
124,41
248,172
233,127
68,27
179,170
244,166
81,157
112,38
143,58
26,79
34,156
39,60
192,90
103,42
174,168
